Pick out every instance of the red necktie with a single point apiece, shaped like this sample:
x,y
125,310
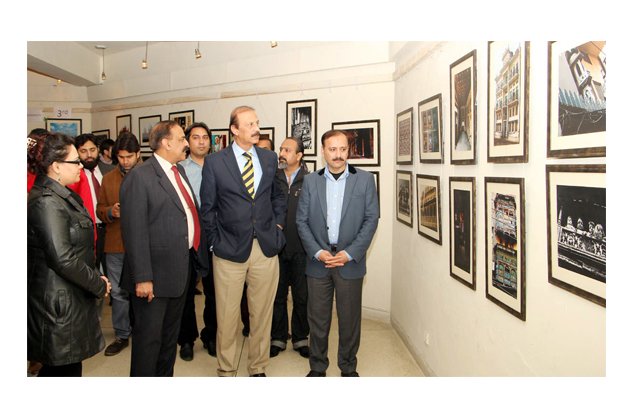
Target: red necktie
x,y
187,198
96,183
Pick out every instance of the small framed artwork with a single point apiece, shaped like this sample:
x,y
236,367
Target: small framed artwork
x,y
576,111
376,178
508,101
505,243
403,187
431,130
462,230
363,138
102,134
403,145
69,126
463,119
145,125
146,153
311,165
429,203
301,122
576,229
183,118
220,139
267,133
123,124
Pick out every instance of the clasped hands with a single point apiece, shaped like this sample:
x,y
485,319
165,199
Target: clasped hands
x,y
108,285
333,261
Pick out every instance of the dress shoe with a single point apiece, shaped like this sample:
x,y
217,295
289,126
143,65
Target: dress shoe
x,y
258,375
245,331
315,374
117,346
353,374
304,351
186,352
211,347
274,350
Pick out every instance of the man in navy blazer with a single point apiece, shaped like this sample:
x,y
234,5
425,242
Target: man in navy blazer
x,y
243,213
160,236
337,216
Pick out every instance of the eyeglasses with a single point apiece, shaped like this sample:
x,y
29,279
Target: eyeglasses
x,y
76,162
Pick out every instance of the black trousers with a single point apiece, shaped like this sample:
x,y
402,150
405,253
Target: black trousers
x,y
71,370
188,325
99,248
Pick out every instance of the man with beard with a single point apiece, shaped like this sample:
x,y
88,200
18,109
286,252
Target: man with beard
x,y
127,150
89,186
290,177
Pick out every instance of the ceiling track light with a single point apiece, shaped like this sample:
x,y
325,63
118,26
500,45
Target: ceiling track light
x,y
102,47
273,44
198,54
144,62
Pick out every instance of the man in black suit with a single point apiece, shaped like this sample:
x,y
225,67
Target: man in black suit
x,y
243,213
161,233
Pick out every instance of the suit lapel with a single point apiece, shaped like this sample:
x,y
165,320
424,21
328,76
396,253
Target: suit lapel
x,y
347,195
166,183
232,166
321,192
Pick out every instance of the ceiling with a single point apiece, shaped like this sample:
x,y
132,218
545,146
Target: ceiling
x,y
113,46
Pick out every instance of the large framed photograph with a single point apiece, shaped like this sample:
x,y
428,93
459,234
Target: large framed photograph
x,y
102,134
463,109
145,125
123,123
504,210
69,126
462,230
403,145
508,101
576,109
576,229
183,118
431,130
220,139
403,203
363,138
301,122
429,203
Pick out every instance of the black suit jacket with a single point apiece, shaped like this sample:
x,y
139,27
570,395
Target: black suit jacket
x,y
230,217
154,230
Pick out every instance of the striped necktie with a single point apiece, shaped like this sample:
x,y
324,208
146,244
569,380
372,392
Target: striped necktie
x,y
248,174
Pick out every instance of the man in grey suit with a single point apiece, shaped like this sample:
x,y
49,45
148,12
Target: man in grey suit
x,y
161,234
337,217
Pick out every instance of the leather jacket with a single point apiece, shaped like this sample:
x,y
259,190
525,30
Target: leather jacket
x,y
63,283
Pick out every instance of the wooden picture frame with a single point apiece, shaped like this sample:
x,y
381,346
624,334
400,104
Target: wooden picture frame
x,y
183,118
71,127
123,123
428,191
363,138
403,197
404,140
462,227
576,229
145,125
301,122
431,129
220,139
508,101
463,109
504,211
576,107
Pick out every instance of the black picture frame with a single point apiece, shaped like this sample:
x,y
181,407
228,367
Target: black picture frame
x,y
363,138
431,148
102,134
403,197
183,118
404,140
462,230
301,122
220,139
428,194
145,125
311,165
123,123
71,127
463,109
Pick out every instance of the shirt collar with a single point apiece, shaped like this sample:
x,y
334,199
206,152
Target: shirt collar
x,y
343,176
238,151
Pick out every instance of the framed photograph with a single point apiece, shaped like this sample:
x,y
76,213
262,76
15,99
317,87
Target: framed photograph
x,y
462,230
576,229
69,126
508,101
403,145
102,134
431,130
145,125
267,133
576,111
363,138
220,139
301,122
504,208
183,118
463,109
123,124
311,165
403,187
429,203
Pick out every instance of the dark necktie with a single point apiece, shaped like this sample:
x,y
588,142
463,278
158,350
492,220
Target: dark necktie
x,y
189,200
96,183
248,174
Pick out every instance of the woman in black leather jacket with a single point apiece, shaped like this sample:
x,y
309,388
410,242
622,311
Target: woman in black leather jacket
x,y
63,283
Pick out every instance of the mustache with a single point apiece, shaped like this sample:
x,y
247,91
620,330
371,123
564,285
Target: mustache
x,y
338,159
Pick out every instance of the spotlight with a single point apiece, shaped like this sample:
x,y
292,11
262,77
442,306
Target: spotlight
x,y
198,54
274,43
144,62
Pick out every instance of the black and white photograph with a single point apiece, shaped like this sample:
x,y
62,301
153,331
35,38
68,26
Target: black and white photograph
x,y
577,229
267,133
431,130
403,187
363,138
403,149
311,165
576,99
301,122
463,109
183,118
462,230
429,211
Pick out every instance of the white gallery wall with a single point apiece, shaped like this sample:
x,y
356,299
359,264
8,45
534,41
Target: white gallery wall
x,y
451,329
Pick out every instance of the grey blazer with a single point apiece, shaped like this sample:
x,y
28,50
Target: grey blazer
x,y
359,221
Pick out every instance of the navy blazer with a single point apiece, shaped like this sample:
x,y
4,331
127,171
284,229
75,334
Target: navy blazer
x,y
230,217
154,230
359,221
